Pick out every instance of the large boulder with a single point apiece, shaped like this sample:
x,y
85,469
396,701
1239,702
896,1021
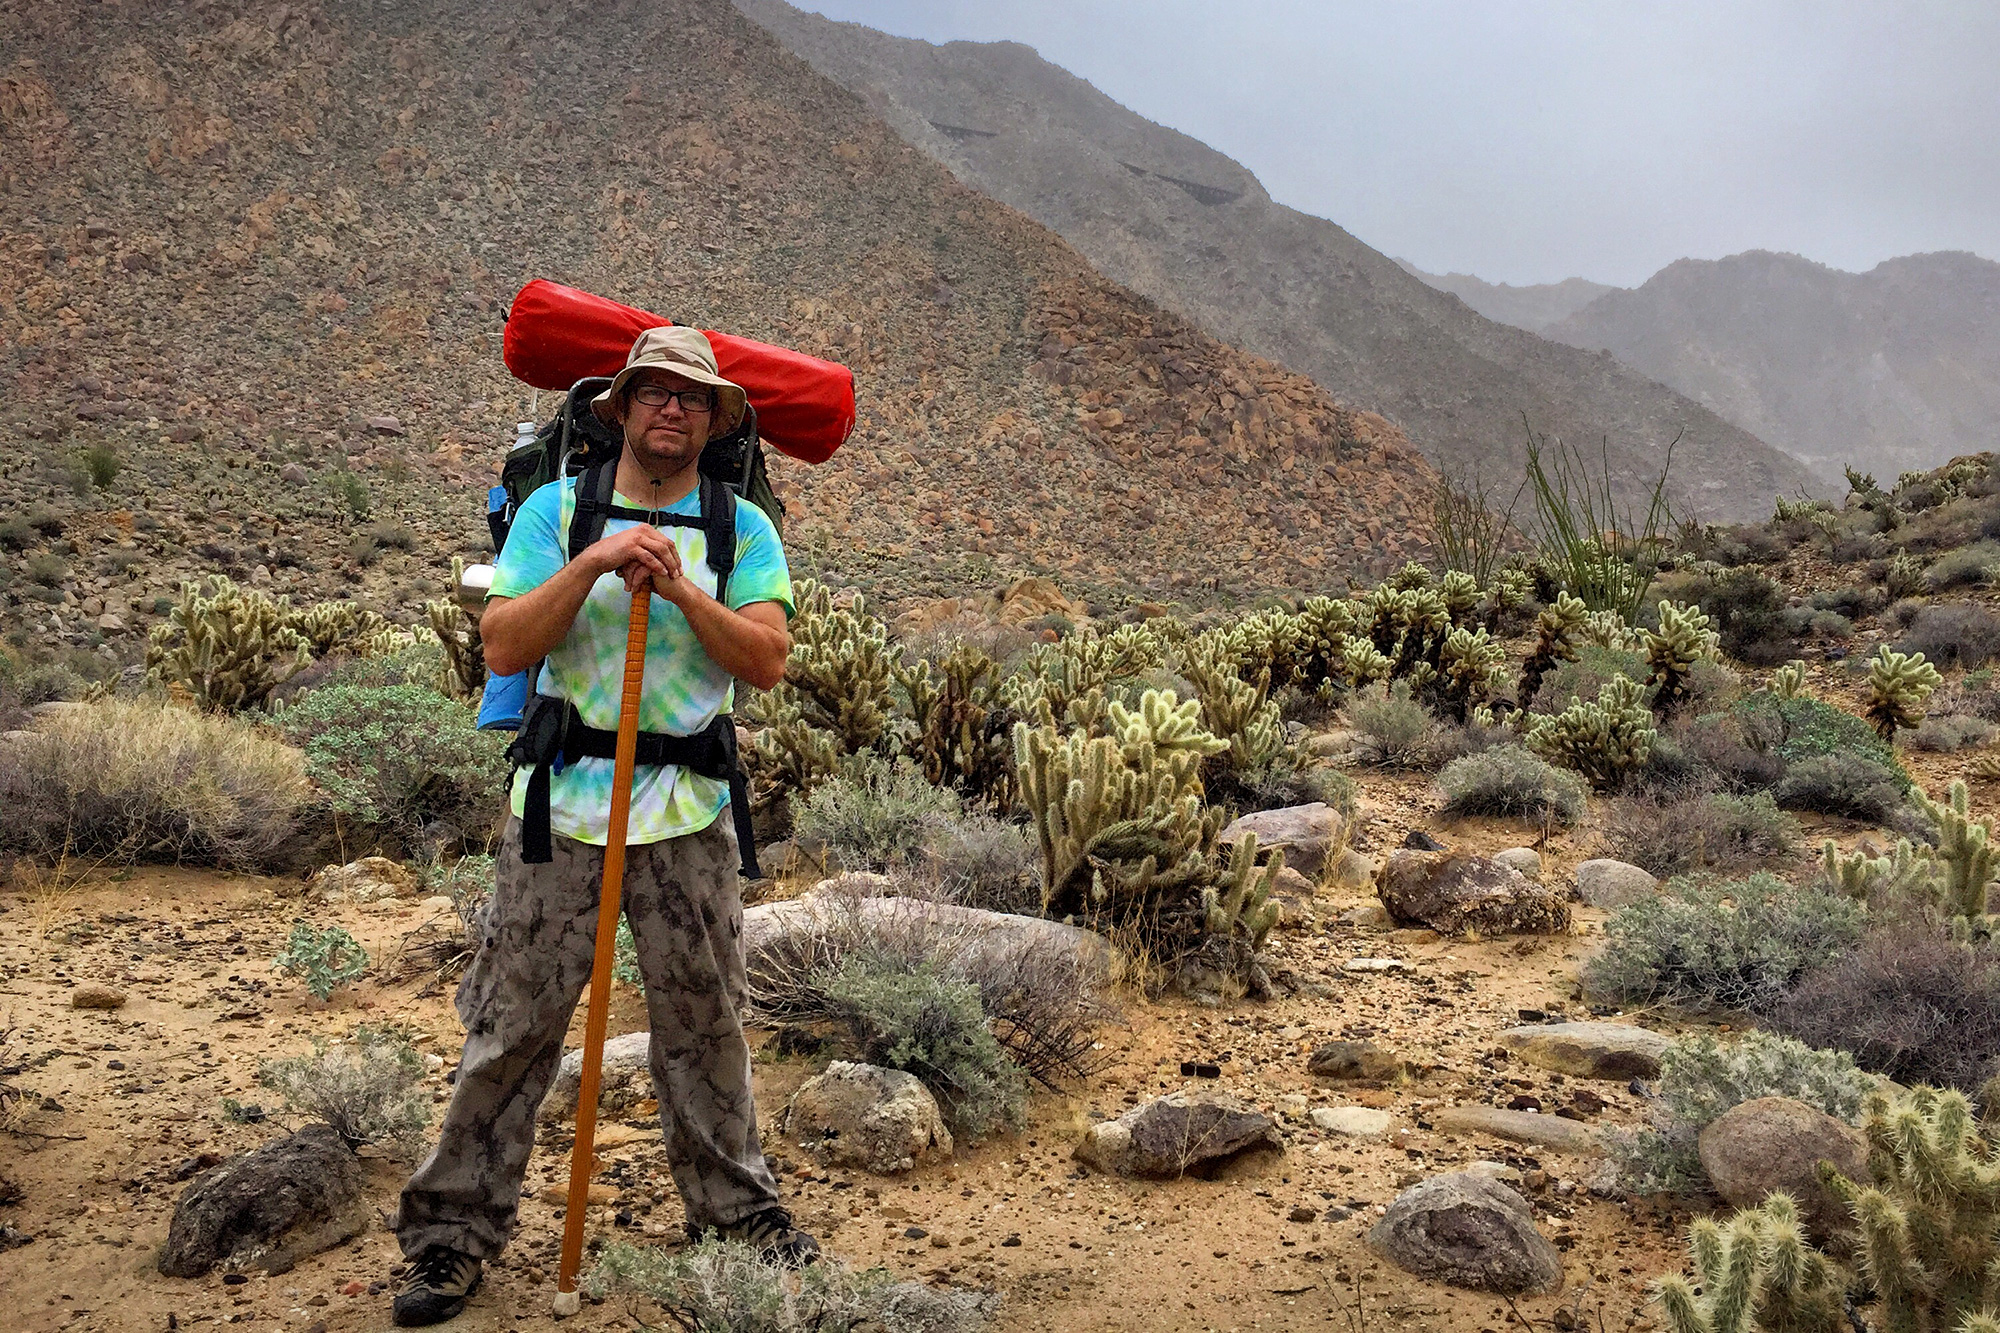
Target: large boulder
x,y
1524,859
1775,1143
1306,834
1590,1050
269,1208
880,1120
979,939
626,1077
1609,884
1465,1230
1553,1132
1179,1135
1455,892
370,879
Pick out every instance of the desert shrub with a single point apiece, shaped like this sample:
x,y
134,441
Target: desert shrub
x,y
1508,780
351,491
102,464
1951,733
979,861
1748,609
1803,727
1831,625
1277,785
1583,676
48,682
16,534
934,1026
324,959
1847,785
1724,752
394,533
47,569
1718,830
1396,730
878,819
1848,600
131,781
1727,944
365,1088
1972,696
1954,634
400,757
1701,1077
720,1286
1911,1002
1964,567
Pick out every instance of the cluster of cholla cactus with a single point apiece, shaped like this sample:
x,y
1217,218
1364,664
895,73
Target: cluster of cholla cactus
x,y
227,647
960,729
1756,1274
1898,684
1965,858
1683,638
1602,740
1557,631
463,673
1908,871
1789,680
837,698
1239,712
341,625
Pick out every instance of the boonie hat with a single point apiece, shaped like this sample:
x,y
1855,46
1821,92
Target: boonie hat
x,y
684,352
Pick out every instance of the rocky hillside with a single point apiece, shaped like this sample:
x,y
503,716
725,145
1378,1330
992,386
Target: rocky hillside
x,y
1192,229
1894,369
1532,307
254,261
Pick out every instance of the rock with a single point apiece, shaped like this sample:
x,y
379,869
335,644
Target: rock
x,y
111,623
439,904
386,425
1351,870
1377,965
1775,1143
1452,893
1416,840
1033,598
858,884
368,880
626,1078
1525,860
1498,1172
97,997
1467,1231
269,1208
1302,1214
294,475
1547,1131
1355,1122
1609,884
1178,1135
982,939
1294,894
1306,834
1368,916
1590,1050
880,1120
1353,1060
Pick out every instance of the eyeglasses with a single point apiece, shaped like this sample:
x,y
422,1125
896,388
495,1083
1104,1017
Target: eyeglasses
x,y
659,395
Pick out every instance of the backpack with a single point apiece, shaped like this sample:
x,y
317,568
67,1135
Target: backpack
x,y
551,733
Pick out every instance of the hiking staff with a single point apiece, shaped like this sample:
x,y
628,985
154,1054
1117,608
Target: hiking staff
x,y
581,1153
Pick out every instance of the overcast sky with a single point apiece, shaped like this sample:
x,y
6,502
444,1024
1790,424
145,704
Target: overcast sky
x,y
1532,140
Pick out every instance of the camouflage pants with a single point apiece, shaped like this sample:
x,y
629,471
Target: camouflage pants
x,y
532,964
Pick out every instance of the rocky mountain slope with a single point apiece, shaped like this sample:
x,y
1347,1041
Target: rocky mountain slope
x,y
1192,229
1894,369
256,258
1533,307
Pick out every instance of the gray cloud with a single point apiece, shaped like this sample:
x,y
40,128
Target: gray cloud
x,y
1529,140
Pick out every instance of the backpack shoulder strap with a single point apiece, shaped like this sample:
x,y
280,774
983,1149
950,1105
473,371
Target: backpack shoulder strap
x,y
718,525
593,505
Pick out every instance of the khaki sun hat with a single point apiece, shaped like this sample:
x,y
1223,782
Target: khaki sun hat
x,y
684,352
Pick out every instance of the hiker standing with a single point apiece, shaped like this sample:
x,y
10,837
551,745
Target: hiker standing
x,y
551,600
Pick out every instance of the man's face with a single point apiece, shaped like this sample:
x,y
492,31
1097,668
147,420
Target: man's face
x,y
668,436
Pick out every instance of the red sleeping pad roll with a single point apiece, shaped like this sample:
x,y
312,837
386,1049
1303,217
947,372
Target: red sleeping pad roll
x,y
558,335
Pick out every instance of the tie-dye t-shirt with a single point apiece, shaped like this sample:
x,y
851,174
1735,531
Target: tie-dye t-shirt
x,y
684,687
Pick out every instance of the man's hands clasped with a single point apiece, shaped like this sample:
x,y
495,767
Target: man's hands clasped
x,y
638,555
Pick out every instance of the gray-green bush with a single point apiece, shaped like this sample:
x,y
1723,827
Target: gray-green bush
x,y
323,959
365,1088
1396,730
1508,780
880,819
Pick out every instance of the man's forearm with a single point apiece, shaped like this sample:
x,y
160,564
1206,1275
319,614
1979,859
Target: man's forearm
x,y
519,631
745,648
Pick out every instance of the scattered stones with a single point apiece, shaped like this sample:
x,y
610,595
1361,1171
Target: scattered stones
x,y
1179,1135
1354,1061
880,1120
1304,833
1547,1131
626,1077
1368,916
1354,1122
1452,893
371,879
1465,1230
1775,1143
1608,884
1523,860
97,997
269,1208
1590,1050
1351,870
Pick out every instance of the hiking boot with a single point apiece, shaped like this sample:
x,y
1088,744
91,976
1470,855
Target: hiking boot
x,y
441,1281
772,1234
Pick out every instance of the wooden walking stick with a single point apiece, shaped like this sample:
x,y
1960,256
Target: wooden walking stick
x,y
581,1156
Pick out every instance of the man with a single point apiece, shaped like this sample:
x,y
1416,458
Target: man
x,y
680,896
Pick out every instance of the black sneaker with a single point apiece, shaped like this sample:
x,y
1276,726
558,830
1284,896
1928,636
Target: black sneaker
x,y
771,1232
441,1281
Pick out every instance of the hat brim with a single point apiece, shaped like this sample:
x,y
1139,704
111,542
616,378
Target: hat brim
x,y
730,400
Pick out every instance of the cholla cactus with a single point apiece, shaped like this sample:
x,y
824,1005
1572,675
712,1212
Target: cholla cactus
x,y
960,732
1411,575
464,672
228,647
1683,638
1556,631
1907,871
1470,669
1756,1275
1055,674
1789,680
1905,576
1898,684
1601,740
1863,485
1364,664
1239,902
330,625
1323,630
1930,1222
1460,593
1965,856
840,672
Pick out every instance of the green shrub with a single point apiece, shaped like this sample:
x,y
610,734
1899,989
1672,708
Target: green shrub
x,y
1397,731
1730,945
1705,831
1507,780
394,533
323,959
1748,608
351,491
47,569
933,1026
16,534
365,1088
1953,634
878,820
1701,1077
720,1286
1966,566
1593,667
102,464
1946,735
398,757
1847,785
1803,727
132,781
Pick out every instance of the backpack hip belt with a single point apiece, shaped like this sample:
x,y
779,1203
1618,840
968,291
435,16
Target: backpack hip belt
x,y
553,735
